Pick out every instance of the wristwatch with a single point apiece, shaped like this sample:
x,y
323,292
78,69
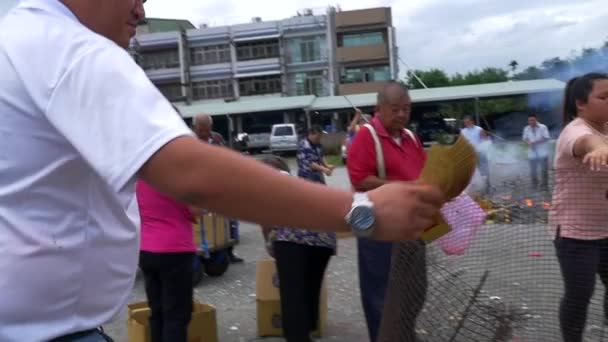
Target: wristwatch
x,y
362,217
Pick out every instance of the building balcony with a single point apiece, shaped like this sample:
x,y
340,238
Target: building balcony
x,y
361,88
258,66
362,53
366,17
164,75
159,40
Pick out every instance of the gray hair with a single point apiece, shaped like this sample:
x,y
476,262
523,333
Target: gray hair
x,y
203,119
382,95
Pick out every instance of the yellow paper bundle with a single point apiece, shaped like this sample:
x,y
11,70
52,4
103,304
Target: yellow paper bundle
x,y
451,168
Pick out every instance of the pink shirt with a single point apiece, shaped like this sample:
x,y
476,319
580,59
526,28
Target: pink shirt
x,y
166,225
580,198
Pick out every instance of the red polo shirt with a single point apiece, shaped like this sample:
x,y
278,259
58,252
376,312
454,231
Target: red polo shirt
x,y
403,162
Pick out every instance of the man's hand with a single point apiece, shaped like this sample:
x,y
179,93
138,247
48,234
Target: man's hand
x,y
404,211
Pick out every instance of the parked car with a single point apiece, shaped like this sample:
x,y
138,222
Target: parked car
x,y
258,138
433,128
283,138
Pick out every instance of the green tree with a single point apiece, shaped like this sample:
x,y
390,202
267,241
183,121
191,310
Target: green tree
x,y
513,65
530,73
432,78
487,75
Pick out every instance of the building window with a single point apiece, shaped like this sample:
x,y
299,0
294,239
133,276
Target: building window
x,y
361,39
172,91
257,50
304,50
159,59
309,83
212,54
216,89
374,73
260,85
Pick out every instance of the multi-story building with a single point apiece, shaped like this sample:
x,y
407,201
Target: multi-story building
x,y
334,53
366,52
322,55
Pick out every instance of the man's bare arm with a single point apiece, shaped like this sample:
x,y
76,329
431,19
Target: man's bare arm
x,y
371,183
225,182
228,183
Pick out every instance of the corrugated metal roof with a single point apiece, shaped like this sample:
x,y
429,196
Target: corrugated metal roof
x,y
275,103
447,93
247,105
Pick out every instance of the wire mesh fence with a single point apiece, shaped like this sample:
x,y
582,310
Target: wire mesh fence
x,y
533,272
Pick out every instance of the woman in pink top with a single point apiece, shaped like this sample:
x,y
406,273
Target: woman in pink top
x,y
166,259
579,213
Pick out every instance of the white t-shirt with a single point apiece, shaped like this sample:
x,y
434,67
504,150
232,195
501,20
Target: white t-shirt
x,y
78,119
540,135
473,135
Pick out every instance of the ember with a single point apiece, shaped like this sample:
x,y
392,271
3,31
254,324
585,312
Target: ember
x,y
511,209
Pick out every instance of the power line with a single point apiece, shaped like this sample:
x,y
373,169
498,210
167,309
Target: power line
x,y
412,71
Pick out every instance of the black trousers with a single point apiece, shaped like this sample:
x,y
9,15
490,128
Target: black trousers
x,y
374,260
168,278
580,261
301,269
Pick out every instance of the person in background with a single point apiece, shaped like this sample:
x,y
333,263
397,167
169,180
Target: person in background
x,y
483,157
536,135
202,125
579,212
359,119
478,137
68,202
311,161
404,158
301,258
166,258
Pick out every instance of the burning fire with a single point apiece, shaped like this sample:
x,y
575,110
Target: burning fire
x,y
530,203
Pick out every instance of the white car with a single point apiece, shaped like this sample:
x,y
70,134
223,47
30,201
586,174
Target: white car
x,y
283,138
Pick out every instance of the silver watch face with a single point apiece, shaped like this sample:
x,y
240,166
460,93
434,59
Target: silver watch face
x,y
362,218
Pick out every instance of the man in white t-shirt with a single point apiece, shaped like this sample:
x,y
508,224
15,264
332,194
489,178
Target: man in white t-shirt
x,y
79,122
536,135
479,139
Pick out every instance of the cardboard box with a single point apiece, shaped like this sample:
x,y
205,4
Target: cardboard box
x,y
196,231
269,302
217,231
202,328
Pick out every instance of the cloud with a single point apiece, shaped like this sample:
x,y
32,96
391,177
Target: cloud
x,y
463,35
454,35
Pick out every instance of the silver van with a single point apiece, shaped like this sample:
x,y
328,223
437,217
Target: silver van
x,y
283,138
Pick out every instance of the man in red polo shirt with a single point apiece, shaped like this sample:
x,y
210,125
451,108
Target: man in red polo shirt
x,y
404,158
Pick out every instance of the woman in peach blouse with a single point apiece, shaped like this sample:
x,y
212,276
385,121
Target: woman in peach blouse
x,y
579,215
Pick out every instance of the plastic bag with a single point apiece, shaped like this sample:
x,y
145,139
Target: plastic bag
x,y
465,217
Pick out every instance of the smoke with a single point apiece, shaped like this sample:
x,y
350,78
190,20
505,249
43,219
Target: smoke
x,y
589,60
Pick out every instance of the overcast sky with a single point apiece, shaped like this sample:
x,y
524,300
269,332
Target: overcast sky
x,y
455,35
